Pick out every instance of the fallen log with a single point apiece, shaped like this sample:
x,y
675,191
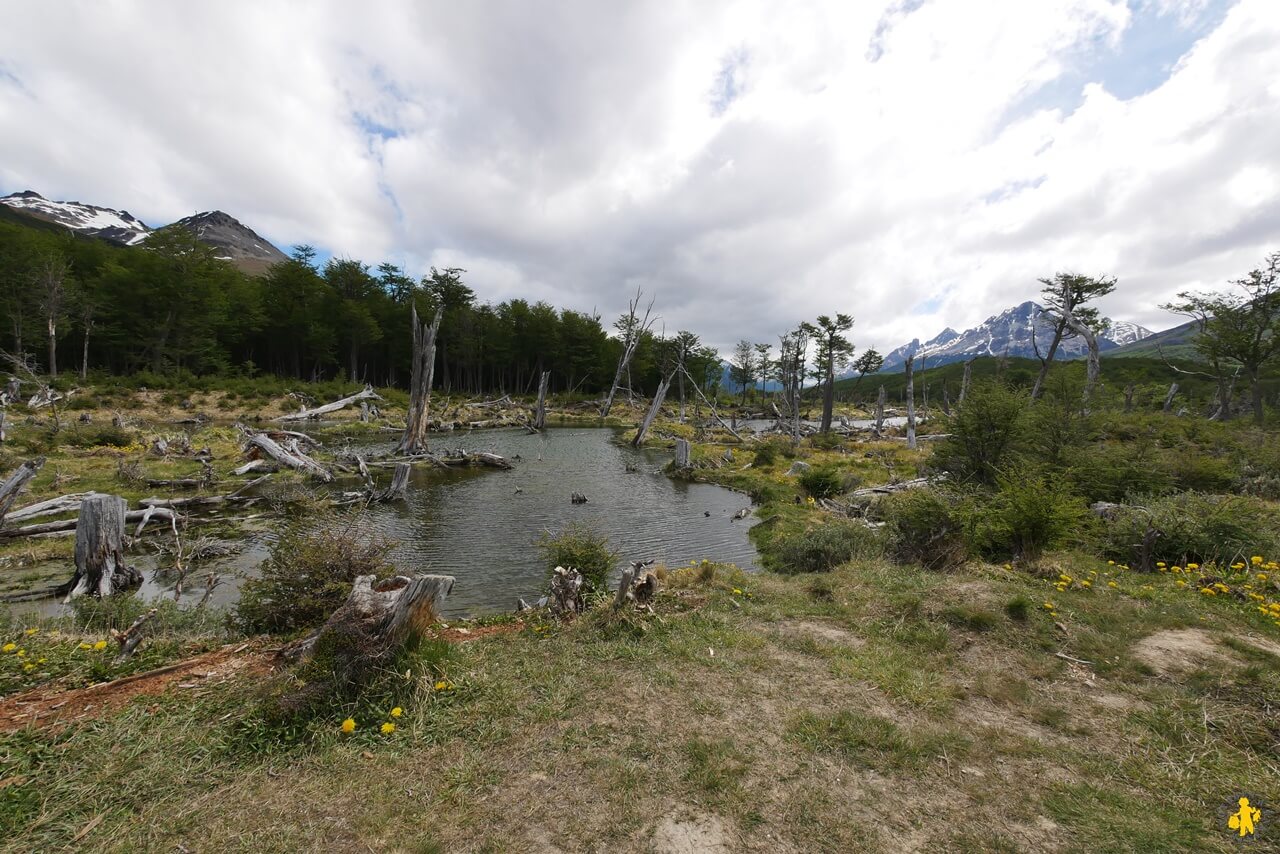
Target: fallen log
x,y
63,525
15,482
51,506
129,639
888,488
293,458
100,566
255,466
306,414
481,458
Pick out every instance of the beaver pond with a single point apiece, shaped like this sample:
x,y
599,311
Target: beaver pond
x,y
482,525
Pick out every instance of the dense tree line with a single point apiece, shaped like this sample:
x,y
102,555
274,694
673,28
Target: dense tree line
x,y
69,302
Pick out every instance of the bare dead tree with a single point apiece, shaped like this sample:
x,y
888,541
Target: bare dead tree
x,y
634,328
414,440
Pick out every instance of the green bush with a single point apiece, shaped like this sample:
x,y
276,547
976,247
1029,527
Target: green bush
x,y
1031,512
926,526
826,441
309,574
580,547
822,482
984,433
1192,527
765,456
115,437
1116,471
823,548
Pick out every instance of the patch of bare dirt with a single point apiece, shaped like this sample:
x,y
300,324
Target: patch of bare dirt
x,y
696,834
1177,650
55,707
822,632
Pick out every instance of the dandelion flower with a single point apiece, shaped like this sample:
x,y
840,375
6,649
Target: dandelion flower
x,y
397,712
1111,563
349,726
443,685
27,668
388,728
737,592
86,646
9,647
1193,566
31,632
100,646
1112,584
1256,560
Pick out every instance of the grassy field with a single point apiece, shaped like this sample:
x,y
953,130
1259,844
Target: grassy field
x,y
1061,703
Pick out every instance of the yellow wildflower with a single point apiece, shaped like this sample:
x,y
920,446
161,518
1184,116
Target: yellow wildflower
x,y
388,728
9,647
100,646
737,592
1112,584
1193,566
86,646
444,685
1262,576
31,632
1086,584
1179,583
1256,560
349,726
397,712
27,668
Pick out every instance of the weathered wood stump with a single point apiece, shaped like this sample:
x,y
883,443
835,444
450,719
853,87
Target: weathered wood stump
x,y
399,485
414,440
682,462
566,591
15,482
540,410
100,566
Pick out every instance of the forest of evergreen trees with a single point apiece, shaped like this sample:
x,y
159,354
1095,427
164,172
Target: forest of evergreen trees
x,y
77,304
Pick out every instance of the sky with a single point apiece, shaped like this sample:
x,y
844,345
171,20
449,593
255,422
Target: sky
x,y
916,164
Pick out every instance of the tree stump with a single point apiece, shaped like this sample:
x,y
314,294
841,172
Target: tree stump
x,y
911,403
540,410
399,485
566,591
418,420
100,567
682,455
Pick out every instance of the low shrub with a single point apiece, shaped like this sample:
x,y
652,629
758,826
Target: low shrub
x,y
1191,527
1030,512
926,527
823,548
822,482
826,441
114,437
579,546
983,433
309,574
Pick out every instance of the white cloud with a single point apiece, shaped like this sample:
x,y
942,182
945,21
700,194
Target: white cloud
x,y
751,164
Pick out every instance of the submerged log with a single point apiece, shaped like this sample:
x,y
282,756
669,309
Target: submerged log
x,y
15,482
306,414
383,613
100,566
294,458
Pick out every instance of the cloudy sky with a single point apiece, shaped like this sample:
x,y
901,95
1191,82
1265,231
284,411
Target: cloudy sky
x,y
916,163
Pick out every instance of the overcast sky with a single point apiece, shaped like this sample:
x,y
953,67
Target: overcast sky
x,y
917,164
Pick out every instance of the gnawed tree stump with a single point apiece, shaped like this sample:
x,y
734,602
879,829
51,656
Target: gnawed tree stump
x,y
638,585
100,566
682,462
566,591
377,618
15,482
398,488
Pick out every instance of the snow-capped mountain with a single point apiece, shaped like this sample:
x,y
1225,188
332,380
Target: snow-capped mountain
x,y
1010,332
231,239
116,226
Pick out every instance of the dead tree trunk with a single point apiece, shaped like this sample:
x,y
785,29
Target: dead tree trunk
x,y
652,413
1168,398
911,404
1128,398
964,381
293,458
1093,362
13,485
880,412
100,567
634,332
2,437
378,617
712,407
399,485
682,455
414,440
13,390
540,410
304,414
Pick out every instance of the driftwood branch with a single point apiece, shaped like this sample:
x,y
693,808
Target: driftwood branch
x,y
293,457
306,414
15,482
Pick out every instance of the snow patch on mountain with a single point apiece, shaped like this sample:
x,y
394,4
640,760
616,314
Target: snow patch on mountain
x,y
107,223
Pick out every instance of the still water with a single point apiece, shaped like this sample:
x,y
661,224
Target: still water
x,y
481,525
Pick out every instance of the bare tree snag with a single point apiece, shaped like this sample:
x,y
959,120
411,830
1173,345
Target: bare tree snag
x,y
1128,398
712,407
100,567
911,404
566,591
682,455
634,329
15,482
880,412
540,410
383,613
414,440
293,457
399,485
13,390
653,411
964,381
2,414
1168,398
1093,362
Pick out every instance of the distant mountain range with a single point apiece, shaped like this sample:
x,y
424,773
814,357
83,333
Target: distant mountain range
x,y
1008,333
231,239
